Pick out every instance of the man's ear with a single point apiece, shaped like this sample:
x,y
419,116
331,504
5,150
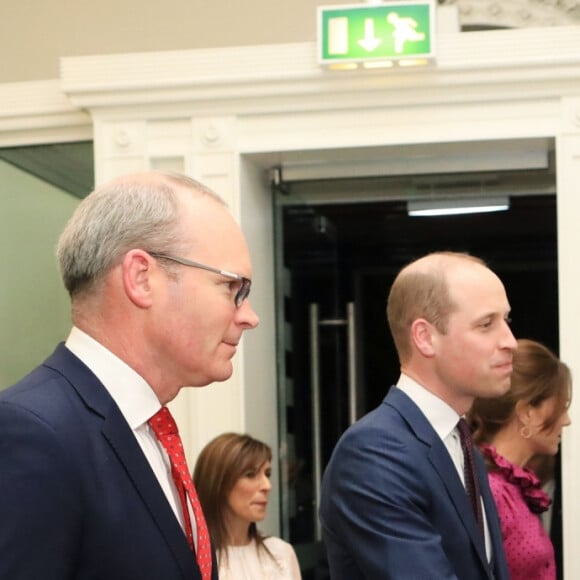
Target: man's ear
x,y
136,270
422,337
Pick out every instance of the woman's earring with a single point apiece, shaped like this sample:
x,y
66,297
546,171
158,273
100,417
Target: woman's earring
x,y
525,432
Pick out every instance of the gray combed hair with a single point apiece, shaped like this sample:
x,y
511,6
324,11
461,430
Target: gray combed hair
x,y
119,216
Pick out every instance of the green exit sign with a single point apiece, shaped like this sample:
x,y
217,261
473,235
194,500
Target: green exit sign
x,y
369,32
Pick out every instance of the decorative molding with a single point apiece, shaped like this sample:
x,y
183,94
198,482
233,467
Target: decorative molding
x,y
516,13
571,116
39,112
214,134
124,139
259,79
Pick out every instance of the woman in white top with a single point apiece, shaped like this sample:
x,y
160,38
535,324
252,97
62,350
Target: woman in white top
x,y
232,477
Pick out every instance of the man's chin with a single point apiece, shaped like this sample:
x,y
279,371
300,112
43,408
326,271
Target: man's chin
x,y
498,390
216,376
222,374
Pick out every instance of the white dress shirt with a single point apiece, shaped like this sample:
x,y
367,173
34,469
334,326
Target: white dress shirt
x,y
444,421
137,403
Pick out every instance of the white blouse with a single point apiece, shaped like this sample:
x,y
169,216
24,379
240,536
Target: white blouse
x,y
249,563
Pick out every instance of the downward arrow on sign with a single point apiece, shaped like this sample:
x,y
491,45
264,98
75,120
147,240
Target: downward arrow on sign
x,y
370,42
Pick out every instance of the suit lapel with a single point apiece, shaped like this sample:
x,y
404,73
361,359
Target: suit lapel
x,y
443,464
499,560
121,439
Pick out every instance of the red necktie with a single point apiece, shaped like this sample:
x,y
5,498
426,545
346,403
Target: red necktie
x,y
471,482
165,429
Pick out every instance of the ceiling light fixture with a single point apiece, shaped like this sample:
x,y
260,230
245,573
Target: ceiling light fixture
x,y
450,206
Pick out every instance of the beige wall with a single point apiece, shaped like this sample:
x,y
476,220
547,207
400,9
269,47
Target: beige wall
x,y
34,35
34,307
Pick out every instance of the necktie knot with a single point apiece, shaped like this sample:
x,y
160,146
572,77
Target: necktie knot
x,y
163,423
464,431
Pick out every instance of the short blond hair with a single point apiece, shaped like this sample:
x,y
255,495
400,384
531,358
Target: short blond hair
x,y
421,290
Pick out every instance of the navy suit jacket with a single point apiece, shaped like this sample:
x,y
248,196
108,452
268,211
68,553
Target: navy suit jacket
x,y
393,505
78,499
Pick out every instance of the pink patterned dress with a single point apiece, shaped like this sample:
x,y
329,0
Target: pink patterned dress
x,y
519,499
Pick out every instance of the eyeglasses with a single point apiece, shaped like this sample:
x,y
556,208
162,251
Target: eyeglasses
x,y
245,283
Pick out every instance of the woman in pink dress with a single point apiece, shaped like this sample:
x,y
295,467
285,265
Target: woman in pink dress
x,y
524,423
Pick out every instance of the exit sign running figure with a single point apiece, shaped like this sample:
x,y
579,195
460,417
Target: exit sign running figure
x,y
388,31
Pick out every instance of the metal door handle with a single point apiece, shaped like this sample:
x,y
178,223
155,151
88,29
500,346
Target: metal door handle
x,y
315,323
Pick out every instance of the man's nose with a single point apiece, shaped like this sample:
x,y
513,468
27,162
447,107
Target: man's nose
x,y
247,316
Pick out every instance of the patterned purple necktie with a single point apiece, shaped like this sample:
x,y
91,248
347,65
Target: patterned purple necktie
x,y
471,482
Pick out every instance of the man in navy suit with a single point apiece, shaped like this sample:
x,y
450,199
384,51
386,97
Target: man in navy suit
x,y
158,273
394,503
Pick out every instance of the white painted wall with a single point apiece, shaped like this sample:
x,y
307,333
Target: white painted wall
x,y
260,380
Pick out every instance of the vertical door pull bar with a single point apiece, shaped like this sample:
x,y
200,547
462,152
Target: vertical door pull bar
x,y
315,323
352,403
316,437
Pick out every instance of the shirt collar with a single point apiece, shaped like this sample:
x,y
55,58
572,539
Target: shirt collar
x,y
439,414
132,394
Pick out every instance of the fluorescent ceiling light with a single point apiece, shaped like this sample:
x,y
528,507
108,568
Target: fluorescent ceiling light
x,y
434,207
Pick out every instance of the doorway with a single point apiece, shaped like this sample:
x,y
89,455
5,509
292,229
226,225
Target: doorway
x,y
338,259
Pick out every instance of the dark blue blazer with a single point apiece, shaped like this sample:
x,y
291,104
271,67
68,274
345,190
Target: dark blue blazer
x,y
393,505
78,499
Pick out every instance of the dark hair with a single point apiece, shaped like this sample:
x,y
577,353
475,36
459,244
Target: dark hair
x,y
538,374
219,466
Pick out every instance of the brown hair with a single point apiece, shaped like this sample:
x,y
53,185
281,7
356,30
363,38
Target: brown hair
x,y
219,466
421,290
538,374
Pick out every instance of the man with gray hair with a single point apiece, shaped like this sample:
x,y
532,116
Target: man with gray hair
x,y
92,480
